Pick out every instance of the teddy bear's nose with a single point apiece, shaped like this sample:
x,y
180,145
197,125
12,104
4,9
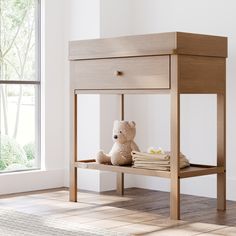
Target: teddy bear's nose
x,y
115,136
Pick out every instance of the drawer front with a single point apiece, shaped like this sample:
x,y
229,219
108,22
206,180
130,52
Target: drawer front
x,y
121,73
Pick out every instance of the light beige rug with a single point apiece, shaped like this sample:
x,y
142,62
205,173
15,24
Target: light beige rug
x,y
13,223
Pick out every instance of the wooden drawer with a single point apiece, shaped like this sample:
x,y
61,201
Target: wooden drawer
x,y
151,72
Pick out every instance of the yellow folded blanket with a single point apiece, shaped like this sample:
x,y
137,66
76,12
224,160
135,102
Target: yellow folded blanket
x,y
149,156
157,161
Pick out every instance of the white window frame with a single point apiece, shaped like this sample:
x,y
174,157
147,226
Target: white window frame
x,y
37,83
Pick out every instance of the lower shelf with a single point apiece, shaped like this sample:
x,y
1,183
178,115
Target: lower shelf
x,y
193,170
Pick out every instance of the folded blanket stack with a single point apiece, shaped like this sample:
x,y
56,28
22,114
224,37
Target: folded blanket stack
x,y
157,161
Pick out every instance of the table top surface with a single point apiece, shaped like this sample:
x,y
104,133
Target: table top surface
x,y
179,43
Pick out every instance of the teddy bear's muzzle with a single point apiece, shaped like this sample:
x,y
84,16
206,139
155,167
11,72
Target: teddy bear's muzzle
x,y
115,137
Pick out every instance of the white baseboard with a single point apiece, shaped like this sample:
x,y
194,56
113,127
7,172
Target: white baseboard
x,y
18,182
199,186
108,181
204,186
97,181
87,179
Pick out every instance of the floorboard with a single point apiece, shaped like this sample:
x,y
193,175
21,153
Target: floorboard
x,y
138,212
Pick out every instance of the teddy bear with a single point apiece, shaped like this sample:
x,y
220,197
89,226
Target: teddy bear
x,y
123,137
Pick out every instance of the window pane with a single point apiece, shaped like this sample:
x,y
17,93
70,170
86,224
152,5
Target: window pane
x,y
19,127
18,40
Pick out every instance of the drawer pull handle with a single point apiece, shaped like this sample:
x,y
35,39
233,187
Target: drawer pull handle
x,y
118,73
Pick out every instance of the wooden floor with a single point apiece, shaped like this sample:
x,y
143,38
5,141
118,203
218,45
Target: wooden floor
x,y
139,212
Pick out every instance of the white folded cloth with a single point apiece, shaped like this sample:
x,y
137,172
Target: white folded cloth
x,y
156,161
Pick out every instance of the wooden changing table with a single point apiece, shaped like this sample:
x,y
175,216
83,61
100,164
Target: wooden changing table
x,y
175,63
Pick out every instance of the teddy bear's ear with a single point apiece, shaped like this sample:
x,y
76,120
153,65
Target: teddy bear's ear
x,y
116,122
132,124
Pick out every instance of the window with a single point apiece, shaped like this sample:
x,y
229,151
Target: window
x,y
19,85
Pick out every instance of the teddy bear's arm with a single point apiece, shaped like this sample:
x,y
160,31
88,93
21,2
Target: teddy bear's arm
x,y
114,148
134,147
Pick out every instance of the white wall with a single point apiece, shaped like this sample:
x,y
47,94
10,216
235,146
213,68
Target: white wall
x,y
62,20
78,19
83,22
198,113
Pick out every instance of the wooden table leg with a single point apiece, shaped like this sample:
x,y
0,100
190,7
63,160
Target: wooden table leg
x,y
73,148
221,152
175,142
120,176
73,184
122,106
120,183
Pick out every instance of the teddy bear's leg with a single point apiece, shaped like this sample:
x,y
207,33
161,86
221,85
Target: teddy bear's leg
x,y
103,158
119,160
